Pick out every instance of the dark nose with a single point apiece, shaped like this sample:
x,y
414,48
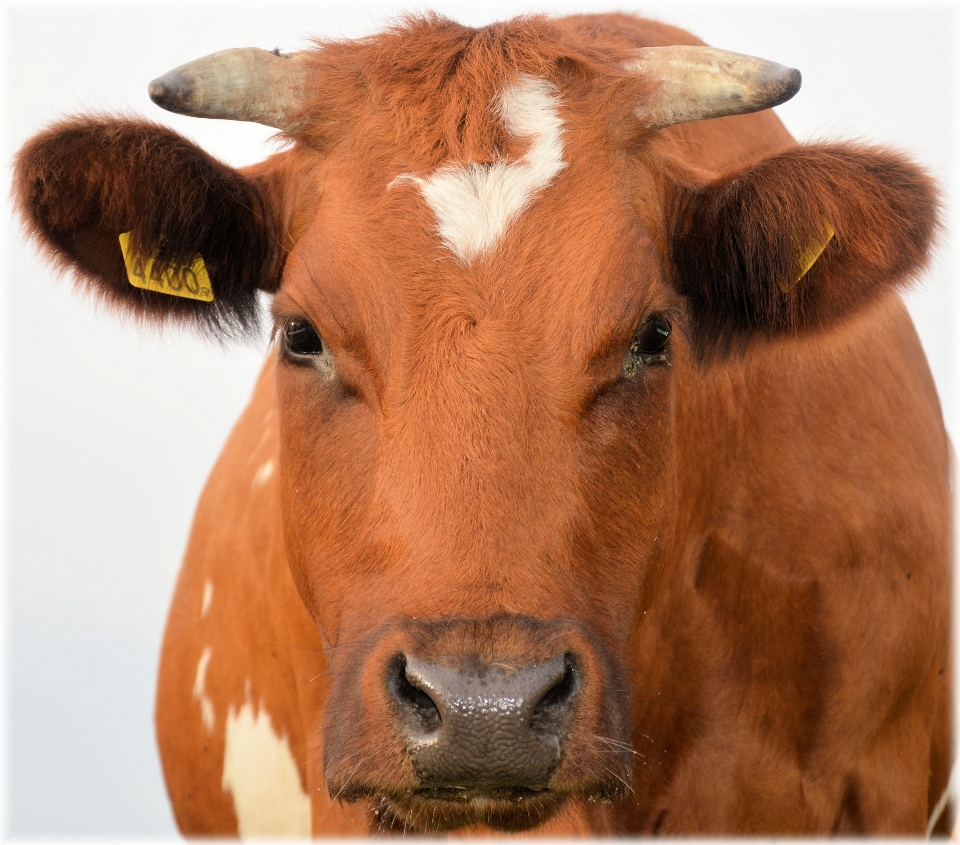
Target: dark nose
x,y
486,726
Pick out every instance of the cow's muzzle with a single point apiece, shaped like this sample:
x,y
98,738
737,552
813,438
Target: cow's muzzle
x,y
477,727
494,721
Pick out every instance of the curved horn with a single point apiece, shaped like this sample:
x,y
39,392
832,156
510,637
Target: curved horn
x,y
697,83
242,84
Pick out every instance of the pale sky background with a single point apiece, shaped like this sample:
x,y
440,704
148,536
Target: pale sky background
x,y
110,434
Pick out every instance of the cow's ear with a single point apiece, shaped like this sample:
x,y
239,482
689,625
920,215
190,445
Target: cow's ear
x,y
85,182
742,246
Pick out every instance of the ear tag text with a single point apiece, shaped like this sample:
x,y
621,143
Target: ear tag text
x,y
192,282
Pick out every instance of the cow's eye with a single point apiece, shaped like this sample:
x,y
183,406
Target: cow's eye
x,y
651,337
301,339
649,344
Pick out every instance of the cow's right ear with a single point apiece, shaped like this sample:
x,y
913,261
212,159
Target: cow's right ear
x,y
84,182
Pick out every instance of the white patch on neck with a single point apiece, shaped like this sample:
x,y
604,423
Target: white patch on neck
x,y
264,474
261,774
200,690
207,597
475,204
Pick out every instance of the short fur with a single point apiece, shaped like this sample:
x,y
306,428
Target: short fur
x,y
745,556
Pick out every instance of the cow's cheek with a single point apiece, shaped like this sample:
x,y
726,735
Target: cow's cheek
x,y
629,470
328,447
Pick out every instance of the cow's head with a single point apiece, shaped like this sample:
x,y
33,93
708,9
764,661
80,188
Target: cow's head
x,y
495,281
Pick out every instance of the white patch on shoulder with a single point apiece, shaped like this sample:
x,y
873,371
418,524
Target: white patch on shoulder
x,y
261,774
207,597
200,690
265,473
475,204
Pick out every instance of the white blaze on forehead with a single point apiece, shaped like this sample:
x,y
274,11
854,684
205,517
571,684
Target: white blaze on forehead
x,y
475,204
200,690
207,597
260,773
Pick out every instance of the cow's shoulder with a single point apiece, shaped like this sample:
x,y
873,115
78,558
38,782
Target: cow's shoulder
x,y
243,673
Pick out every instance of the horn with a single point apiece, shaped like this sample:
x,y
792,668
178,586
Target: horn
x,y
242,84
697,83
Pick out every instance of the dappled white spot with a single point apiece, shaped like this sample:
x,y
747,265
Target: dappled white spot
x,y
475,204
948,794
200,690
264,473
207,597
261,774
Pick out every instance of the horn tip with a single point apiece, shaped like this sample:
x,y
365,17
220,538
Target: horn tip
x,y
791,83
172,92
160,92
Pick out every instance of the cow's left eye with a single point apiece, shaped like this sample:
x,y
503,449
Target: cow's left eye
x,y
651,337
301,339
649,344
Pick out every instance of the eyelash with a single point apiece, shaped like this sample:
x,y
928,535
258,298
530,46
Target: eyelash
x,y
649,346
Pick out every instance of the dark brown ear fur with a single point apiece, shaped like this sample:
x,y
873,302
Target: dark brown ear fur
x,y
82,182
735,241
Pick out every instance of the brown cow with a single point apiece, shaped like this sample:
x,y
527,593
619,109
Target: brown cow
x,y
597,471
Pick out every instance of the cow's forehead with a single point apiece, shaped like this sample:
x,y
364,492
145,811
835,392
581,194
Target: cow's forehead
x,y
554,250
475,203
479,121
440,85
479,178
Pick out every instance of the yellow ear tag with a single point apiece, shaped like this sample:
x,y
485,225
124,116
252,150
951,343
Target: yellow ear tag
x,y
192,282
806,258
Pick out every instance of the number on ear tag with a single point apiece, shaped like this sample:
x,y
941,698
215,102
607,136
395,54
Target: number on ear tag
x,y
192,282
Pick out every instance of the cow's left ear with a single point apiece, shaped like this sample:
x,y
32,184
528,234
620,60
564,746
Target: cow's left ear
x,y
741,246
150,222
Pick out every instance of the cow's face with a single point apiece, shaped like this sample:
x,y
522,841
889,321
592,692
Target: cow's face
x,y
477,465
475,438
494,281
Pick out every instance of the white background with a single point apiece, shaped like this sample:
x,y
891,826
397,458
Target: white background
x,y
111,432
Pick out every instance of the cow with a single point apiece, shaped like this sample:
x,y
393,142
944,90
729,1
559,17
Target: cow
x,y
596,470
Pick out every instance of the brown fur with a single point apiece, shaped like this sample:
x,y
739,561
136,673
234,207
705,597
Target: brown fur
x,y
742,278
85,180
748,554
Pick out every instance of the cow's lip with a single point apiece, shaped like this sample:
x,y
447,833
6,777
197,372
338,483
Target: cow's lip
x,y
480,796
435,809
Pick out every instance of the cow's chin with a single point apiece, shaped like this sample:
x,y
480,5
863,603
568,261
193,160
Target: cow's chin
x,y
439,810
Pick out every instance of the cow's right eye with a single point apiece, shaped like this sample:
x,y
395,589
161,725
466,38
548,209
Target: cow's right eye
x,y
301,339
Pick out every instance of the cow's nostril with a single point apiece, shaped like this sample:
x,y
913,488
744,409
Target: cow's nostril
x,y
551,713
419,710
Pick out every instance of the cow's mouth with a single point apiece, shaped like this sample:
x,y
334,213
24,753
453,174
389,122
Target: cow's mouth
x,y
447,808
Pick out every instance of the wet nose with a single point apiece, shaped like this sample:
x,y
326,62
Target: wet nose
x,y
490,726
